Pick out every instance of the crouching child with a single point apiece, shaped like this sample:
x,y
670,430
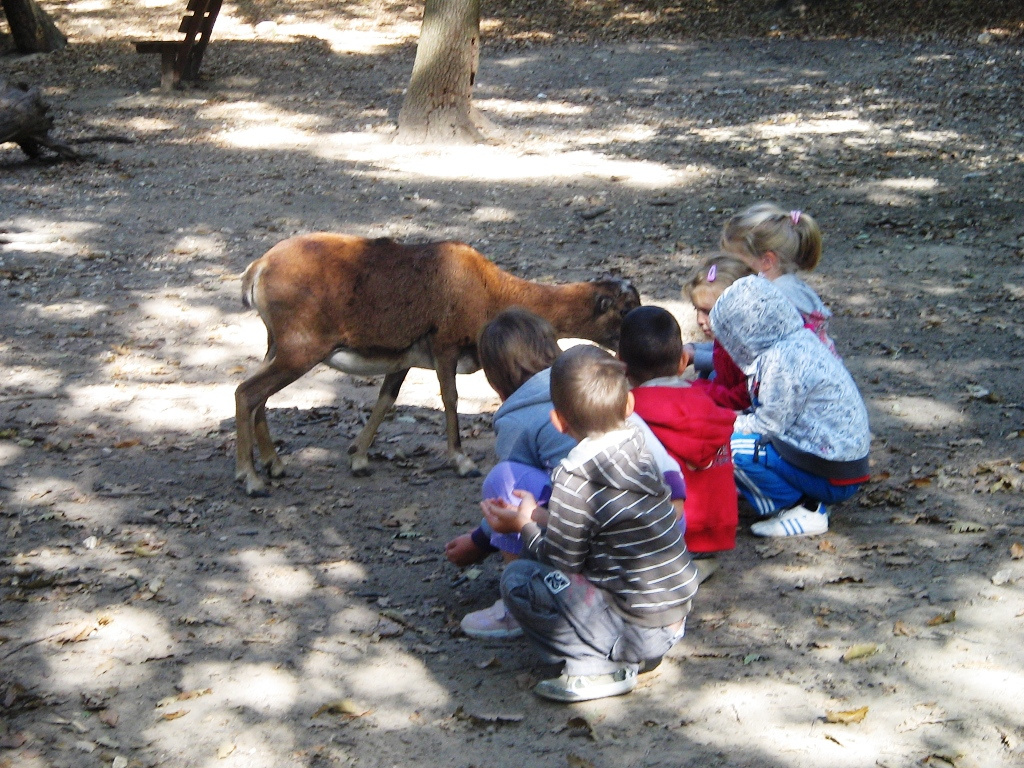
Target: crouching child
x,y
606,581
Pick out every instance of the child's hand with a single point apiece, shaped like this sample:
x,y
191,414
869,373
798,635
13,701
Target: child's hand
x,y
505,518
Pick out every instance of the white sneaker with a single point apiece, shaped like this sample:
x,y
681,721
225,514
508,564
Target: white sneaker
x,y
494,623
795,521
587,687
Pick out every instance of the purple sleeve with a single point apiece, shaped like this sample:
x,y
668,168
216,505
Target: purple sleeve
x,y
674,481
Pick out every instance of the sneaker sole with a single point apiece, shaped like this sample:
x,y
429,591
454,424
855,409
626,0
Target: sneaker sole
x,y
493,634
554,693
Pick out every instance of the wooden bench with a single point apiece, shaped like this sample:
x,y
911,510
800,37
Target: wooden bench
x,y
180,59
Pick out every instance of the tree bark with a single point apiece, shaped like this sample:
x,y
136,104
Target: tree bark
x,y
33,31
438,105
24,121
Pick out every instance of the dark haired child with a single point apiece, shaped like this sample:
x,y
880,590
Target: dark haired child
x,y
694,430
607,584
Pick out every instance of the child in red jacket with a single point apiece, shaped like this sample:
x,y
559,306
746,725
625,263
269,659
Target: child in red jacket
x,y
694,430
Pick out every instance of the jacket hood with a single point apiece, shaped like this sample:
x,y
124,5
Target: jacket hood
x,y
535,391
750,317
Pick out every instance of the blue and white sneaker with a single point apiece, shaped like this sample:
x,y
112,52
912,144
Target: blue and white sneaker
x,y
795,521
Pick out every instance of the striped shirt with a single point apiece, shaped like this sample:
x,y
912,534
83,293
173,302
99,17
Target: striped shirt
x,y
610,519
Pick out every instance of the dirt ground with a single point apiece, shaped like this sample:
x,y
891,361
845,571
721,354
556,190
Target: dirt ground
x,y
152,615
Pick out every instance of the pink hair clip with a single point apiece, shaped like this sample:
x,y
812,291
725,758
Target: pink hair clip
x,y
712,273
794,216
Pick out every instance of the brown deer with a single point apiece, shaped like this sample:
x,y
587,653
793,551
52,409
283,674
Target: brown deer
x,y
371,307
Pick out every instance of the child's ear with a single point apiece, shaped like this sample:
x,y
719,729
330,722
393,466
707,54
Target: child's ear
x,y
559,423
630,405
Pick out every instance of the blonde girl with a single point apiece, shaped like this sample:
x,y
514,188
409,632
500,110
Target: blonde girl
x,y
777,243
728,385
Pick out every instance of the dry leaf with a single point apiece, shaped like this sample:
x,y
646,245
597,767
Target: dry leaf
x,y
127,443
345,708
108,717
920,482
861,651
575,761
488,663
826,546
224,750
847,717
487,718
942,618
174,715
1016,551
903,629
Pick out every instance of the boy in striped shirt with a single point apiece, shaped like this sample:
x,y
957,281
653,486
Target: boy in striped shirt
x,y
606,580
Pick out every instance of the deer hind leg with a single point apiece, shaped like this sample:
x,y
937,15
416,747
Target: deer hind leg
x,y
360,461
251,423
446,367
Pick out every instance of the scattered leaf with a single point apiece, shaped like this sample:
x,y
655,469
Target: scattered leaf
x,y
127,443
119,762
345,708
225,749
487,718
174,715
750,658
826,546
847,717
942,618
490,663
902,629
861,651
108,717
575,761
1017,550
1002,577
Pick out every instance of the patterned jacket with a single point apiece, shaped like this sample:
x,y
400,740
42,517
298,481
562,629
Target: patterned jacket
x,y
610,519
802,397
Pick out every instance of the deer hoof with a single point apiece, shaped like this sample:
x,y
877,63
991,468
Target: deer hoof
x,y
275,468
465,467
255,487
360,465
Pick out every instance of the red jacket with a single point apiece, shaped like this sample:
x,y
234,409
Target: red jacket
x,y
696,432
729,387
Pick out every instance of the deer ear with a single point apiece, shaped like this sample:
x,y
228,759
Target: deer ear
x,y
604,303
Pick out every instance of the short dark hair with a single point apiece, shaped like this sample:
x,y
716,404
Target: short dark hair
x,y
589,390
515,346
651,344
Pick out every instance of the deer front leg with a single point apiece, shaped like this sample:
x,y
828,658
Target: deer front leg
x,y
446,366
360,461
245,415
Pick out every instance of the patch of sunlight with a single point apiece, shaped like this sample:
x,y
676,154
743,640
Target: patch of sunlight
x,y
924,413
934,137
271,575
88,6
150,124
395,685
258,113
264,688
363,41
267,137
899,193
29,378
172,407
786,127
72,310
343,571
157,3
10,453
537,107
120,637
492,214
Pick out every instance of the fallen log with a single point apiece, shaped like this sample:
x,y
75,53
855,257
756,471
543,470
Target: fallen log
x,y
24,121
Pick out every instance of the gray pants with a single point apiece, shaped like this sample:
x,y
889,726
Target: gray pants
x,y
568,619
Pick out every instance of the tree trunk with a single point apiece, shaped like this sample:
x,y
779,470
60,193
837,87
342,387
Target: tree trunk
x,y
33,31
438,105
24,121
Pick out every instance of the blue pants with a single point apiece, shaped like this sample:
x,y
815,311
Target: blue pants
x,y
567,619
771,483
508,476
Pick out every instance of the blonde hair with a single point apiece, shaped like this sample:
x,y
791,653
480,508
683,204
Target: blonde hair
x,y
793,236
589,390
716,273
515,346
